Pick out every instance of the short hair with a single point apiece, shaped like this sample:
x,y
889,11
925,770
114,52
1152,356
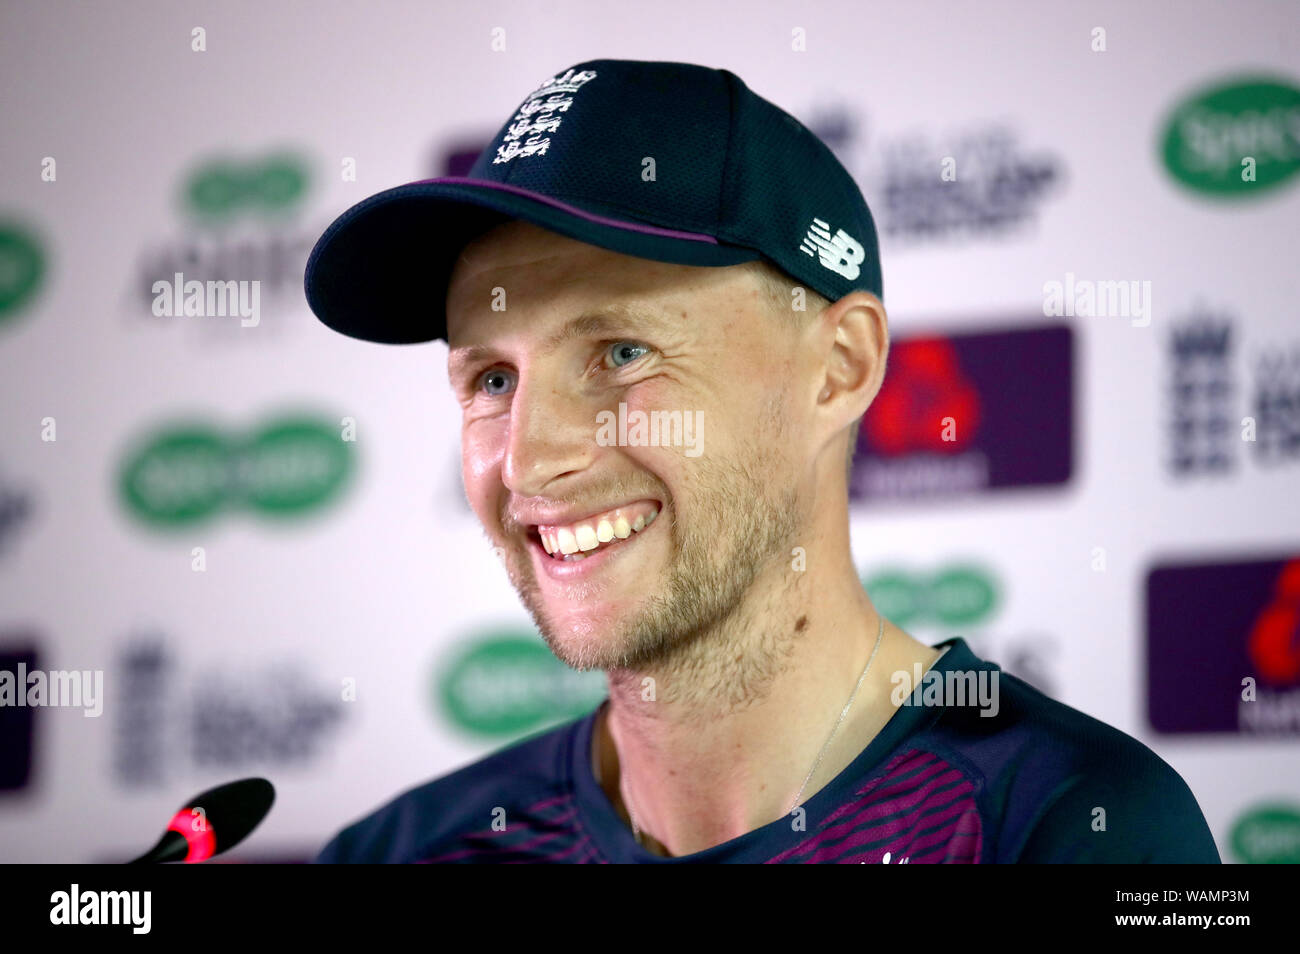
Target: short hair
x,y
778,289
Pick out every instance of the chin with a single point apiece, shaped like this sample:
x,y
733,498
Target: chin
x,y
586,640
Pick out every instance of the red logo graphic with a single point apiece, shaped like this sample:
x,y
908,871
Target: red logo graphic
x,y
1275,638
923,386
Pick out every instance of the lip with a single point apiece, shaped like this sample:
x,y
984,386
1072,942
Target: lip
x,y
562,518
569,571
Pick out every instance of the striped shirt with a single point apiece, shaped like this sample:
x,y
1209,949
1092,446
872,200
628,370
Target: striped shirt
x,y
947,780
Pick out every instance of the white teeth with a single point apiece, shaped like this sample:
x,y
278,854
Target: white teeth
x,y
587,538
575,541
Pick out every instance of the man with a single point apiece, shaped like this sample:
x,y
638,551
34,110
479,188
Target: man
x,y
663,310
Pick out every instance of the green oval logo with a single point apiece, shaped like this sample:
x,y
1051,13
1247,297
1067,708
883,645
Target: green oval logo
x,y
22,266
1235,138
215,190
956,596
292,466
190,471
180,477
279,182
961,595
508,682
1268,835
222,188
896,596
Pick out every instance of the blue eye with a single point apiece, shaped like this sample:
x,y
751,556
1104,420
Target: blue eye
x,y
495,382
625,352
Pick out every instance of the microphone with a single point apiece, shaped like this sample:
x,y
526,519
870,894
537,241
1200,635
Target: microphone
x,y
212,822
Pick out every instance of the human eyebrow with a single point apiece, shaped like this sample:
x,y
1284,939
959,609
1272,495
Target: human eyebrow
x,y
468,356
609,322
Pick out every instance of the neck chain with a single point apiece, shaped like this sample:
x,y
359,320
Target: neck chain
x,y
636,829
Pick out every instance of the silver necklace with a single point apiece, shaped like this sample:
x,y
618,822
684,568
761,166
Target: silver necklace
x,y
636,829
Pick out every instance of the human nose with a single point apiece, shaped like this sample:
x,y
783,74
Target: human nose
x,y
552,434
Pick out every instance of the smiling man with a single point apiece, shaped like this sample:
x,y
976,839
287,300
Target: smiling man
x,y
652,242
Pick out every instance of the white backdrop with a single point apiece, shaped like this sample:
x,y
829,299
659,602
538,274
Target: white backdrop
x,y
388,581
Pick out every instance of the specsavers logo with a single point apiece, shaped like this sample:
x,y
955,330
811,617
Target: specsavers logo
x,y
1235,138
185,473
22,266
506,682
1268,834
957,595
220,190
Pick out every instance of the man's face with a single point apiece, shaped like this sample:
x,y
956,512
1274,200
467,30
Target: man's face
x,y
548,337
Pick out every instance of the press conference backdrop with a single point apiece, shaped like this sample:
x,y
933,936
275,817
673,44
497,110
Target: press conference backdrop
x,y
244,539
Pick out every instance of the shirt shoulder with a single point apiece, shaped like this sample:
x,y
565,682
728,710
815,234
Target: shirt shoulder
x,y
505,784
1066,787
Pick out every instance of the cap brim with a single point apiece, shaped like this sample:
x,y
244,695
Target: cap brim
x,y
380,271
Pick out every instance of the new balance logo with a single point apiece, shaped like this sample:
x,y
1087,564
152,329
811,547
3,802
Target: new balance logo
x,y
841,253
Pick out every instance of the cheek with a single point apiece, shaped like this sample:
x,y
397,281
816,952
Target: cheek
x,y
681,458
482,447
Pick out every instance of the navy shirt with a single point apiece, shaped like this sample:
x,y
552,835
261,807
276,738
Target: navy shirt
x,y
1035,782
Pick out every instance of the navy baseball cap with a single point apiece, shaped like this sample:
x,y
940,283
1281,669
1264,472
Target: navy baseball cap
x,y
672,162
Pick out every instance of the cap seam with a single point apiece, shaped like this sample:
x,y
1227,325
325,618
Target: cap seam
x,y
725,179
725,232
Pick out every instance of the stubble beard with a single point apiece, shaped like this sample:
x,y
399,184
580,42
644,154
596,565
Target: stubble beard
x,y
738,526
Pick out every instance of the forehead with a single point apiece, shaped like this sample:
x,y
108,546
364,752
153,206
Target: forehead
x,y
552,277
514,245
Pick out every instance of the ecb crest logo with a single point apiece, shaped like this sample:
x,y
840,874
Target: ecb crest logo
x,y
529,131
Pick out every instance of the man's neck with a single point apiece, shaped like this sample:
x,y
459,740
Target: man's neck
x,y
716,741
